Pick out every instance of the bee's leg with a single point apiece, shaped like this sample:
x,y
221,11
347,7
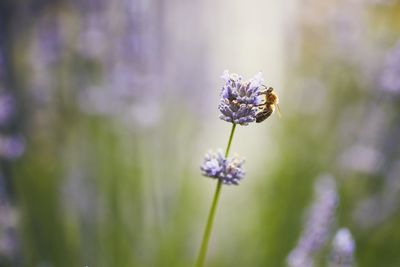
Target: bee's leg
x,y
267,88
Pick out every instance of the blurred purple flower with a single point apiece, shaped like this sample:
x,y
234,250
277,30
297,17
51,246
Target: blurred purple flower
x,y
383,204
343,249
44,53
2,64
92,41
390,79
348,31
361,158
130,106
318,225
229,171
239,99
8,233
7,107
47,46
11,147
129,90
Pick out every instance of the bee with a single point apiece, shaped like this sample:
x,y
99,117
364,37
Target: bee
x,y
268,107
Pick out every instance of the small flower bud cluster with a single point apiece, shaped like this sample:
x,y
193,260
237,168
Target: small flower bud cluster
x,y
229,171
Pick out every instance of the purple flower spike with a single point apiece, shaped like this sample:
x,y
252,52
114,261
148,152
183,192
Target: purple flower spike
x,y
11,147
229,171
239,98
318,225
390,79
7,107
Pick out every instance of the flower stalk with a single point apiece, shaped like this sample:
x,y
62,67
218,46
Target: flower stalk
x,y
211,215
241,103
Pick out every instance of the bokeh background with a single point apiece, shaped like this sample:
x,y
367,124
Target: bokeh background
x,y
107,108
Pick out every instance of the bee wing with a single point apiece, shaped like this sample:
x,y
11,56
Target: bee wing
x,y
262,116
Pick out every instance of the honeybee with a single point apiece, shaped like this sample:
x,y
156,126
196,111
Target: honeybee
x,y
268,107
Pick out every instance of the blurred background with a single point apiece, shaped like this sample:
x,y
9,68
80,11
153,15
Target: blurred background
x,y
107,108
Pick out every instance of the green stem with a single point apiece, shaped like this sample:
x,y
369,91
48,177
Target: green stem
x,y
230,140
211,215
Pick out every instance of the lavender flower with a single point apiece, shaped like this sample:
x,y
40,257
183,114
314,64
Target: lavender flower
x,y
8,231
239,98
229,171
390,79
382,204
7,107
343,249
11,147
319,222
